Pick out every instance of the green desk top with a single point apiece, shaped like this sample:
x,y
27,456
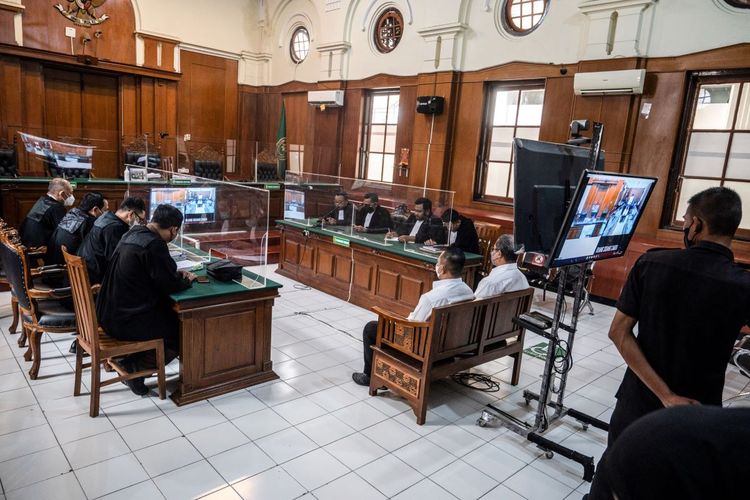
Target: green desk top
x,y
412,250
215,288
44,180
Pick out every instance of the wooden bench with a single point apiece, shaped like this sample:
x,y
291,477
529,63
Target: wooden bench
x,y
408,355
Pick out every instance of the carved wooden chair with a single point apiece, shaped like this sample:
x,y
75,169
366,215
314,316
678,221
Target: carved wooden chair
x,y
102,348
39,308
488,235
208,164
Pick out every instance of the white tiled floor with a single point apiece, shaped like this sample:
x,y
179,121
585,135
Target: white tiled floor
x,y
314,434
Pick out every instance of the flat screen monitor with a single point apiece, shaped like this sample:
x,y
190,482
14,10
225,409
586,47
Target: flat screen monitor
x,y
602,218
294,204
545,178
197,204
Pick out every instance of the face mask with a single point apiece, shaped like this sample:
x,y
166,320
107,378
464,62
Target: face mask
x,y
69,200
370,209
685,238
437,272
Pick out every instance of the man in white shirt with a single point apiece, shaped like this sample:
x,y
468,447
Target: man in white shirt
x,y
449,289
505,277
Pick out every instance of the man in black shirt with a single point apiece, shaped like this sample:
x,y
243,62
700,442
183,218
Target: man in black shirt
x,y
99,245
342,212
134,302
689,306
372,218
421,225
36,229
689,452
74,227
460,231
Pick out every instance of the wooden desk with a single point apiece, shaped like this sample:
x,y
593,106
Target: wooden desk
x,y
385,276
225,338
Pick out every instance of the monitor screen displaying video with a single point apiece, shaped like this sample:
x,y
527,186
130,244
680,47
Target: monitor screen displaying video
x,y
197,204
602,218
294,204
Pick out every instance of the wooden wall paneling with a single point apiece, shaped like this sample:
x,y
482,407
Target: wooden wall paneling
x,y
151,46
99,122
297,118
352,131
146,103
165,118
247,134
32,118
62,105
407,110
7,26
44,28
466,139
557,109
10,105
128,108
326,140
231,93
655,141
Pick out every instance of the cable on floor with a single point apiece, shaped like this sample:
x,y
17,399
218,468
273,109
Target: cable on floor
x,y
476,381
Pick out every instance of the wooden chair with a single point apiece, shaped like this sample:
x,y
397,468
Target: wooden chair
x,y
39,308
101,347
408,355
488,235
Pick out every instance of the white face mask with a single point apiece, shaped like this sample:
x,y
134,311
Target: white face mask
x,y
437,272
69,200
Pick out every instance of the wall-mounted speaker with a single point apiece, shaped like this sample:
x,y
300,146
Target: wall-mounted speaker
x,y
430,104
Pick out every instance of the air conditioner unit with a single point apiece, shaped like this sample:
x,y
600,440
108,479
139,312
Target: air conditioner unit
x,y
331,98
629,81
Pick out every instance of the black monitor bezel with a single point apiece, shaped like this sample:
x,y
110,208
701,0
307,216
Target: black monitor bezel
x,y
570,214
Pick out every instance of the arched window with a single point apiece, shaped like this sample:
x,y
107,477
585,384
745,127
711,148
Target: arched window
x,y
521,17
388,30
299,46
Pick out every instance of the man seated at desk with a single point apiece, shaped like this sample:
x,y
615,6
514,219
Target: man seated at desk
x,y
100,243
341,213
421,225
460,231
134,302
505,276
372,218
449,289
39,224
74,227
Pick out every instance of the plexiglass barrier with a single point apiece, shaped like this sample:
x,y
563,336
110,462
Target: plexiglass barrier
x,y
379,212
222,220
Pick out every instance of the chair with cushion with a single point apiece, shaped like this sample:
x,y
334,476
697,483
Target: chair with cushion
x,y
208,169
139,158
39,307
102,348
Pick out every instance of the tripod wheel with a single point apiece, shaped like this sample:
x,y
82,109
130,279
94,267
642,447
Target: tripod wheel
x,y
549,454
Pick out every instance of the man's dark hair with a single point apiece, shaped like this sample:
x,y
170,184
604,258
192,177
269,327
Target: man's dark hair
x,y
133,203
342,193
91,200
425,202
506,247
450,215
454,260
166,216
720,208
373,197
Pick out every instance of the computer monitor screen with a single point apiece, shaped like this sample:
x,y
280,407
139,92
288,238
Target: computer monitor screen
x,y
197,204
294,204
545,178
602,218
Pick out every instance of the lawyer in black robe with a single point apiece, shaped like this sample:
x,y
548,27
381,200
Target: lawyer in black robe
x,y
74,227
36,229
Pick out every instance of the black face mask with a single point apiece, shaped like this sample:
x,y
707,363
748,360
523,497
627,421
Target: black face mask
x,y
370,209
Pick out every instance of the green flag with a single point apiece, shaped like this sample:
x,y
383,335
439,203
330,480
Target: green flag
x,y
281,142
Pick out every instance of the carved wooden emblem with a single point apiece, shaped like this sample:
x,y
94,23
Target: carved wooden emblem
x,y
403,337
83,12
403,380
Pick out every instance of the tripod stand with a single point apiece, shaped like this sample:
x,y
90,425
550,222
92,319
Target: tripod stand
x,y
542,421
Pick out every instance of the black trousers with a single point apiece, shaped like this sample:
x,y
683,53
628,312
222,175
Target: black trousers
x,y
624,414
369,334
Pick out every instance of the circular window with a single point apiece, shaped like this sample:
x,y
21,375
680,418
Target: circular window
x,y
388,30
521,17
740,4
299,47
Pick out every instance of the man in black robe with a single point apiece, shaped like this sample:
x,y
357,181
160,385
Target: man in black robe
x,y
421,226
372,218
134,302
100,243
36,229
74,227
460,231
342,212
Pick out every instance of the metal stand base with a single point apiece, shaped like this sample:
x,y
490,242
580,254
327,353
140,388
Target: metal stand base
x,y
533,432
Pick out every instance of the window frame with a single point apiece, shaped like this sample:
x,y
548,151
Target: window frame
x,y
367,124
509,24
292,53
387,13
485,140
670,217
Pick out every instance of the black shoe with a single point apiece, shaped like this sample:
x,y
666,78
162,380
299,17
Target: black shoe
x,y
72,349
361,378
136,385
